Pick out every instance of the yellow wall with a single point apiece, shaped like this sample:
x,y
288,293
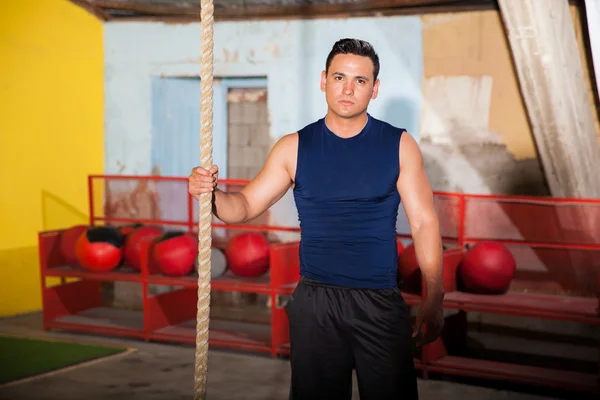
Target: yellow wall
x,y
51,133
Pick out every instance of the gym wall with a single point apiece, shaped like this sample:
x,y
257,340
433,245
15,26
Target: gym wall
x,y
474,122
51,133
446,77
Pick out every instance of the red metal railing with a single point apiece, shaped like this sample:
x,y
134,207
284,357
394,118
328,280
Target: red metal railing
x,y
569,227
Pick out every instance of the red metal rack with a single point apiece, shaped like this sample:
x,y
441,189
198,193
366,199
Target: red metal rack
x,y
560,235
78,305
563,236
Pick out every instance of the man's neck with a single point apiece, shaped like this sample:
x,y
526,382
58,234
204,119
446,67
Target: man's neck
x,y
346,127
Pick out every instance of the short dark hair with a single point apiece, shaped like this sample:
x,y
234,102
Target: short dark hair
x,y
357,47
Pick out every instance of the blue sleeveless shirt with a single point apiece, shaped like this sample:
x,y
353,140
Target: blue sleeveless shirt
x,y
347,200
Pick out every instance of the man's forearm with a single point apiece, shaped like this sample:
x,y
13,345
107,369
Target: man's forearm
x,y
230,207
429,251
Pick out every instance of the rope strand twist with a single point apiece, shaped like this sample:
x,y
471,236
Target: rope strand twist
x,y
205,203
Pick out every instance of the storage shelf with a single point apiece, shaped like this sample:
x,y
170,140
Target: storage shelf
x,y
226,282
287,289
170,315
227,334
284,349
102,320
574,309
514,372
121,274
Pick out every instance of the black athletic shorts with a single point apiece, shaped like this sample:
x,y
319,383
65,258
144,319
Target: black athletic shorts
x,y
334,330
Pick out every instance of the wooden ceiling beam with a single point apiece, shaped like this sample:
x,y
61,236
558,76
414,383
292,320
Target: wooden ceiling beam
x,y
142,8
98,12
550,72
321,10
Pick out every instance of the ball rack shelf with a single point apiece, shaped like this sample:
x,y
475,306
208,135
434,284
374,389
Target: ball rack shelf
x,y
531,228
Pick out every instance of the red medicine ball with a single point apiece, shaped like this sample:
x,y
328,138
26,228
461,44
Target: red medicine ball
x,y
133,244
100,249
487,268
248,254
175,253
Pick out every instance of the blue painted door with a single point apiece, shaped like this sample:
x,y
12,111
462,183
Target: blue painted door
x,y
176,126
176,139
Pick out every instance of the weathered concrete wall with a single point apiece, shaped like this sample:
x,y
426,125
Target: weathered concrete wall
x,y
475,131
447,78
475,134
290,54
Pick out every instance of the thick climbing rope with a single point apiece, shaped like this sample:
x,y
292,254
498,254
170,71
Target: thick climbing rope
x,y
205,213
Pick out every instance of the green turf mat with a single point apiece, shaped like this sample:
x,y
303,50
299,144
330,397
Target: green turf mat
x,y
22,358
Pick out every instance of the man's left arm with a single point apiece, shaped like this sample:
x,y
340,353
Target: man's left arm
x,y
417,198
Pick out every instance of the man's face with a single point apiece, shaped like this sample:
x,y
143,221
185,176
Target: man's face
x,y
349,85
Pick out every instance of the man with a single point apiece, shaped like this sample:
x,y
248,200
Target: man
x,y
349,172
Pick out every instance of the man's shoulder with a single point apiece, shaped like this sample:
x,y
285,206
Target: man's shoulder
x,y
287,141
286,146
289,138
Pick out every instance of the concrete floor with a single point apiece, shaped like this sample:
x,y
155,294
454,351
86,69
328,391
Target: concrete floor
x,y
165,371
